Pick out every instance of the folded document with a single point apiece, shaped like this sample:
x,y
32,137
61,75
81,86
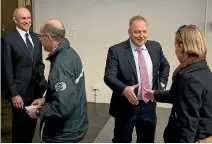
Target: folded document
x,y
31,107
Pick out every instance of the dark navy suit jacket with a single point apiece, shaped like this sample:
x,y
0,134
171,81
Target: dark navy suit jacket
x,y
23,75
120,71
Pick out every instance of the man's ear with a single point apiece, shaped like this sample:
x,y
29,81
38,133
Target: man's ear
x,y
49,36
15,20
129,32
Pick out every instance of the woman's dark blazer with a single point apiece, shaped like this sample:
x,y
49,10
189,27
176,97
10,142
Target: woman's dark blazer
x,y
191,96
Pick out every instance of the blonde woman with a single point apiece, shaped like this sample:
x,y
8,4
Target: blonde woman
x,y
191,90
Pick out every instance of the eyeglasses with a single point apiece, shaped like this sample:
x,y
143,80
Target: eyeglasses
x,y
179,31
39,35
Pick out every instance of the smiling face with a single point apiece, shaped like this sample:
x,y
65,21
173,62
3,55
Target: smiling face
x,y
138,32
22,18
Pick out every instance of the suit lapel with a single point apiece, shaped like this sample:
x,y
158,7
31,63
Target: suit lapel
x,y
151,53
130,57
21,44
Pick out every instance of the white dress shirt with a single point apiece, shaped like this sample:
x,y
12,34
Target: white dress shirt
x,y
22,33
148,62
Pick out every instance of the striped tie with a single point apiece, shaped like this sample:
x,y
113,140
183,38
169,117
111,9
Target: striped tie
x,y
29,45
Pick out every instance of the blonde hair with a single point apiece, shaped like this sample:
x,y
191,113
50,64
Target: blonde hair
x,y
192,39
134,18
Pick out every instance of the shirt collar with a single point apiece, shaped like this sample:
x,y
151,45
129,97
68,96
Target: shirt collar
x,y
21,32
54,49
62,46
134,47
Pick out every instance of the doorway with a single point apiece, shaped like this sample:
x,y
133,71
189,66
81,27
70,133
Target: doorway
x,y
7,8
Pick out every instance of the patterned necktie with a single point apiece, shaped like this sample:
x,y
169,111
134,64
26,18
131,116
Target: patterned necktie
x,y
29,45
143,74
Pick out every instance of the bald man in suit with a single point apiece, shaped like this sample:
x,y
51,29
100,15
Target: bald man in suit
x,y
24,74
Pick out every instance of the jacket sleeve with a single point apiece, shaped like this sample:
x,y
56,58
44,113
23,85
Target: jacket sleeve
x,y
64,93
111,71
190,102
163,70
8,67
162,96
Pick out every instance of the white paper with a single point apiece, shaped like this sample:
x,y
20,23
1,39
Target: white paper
x,y
31,107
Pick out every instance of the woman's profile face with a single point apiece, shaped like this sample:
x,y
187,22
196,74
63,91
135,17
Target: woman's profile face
x,y
178,51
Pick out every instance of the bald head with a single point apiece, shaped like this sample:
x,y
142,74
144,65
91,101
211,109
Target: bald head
x,y
54,28
20,11
55,23
22,18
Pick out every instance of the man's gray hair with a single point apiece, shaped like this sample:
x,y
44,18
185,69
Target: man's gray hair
x,y
137,17
54,32
15,12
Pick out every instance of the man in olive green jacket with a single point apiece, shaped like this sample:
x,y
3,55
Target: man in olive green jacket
x,y
63,111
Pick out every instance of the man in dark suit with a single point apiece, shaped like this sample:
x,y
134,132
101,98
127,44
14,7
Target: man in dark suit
x,y
132,66
24,74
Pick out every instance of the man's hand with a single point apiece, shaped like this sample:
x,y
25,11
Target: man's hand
x,y
18,102
39,102
150,94
130,95
32,113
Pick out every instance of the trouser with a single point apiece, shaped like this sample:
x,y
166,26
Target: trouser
x,y
23,127
143,119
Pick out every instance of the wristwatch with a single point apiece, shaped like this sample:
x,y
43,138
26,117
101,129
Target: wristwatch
x,y
38,112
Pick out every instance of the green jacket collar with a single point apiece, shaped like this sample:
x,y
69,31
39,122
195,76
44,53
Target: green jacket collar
x,y
63,45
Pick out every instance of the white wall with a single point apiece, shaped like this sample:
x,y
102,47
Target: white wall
x,y
209,33
92,26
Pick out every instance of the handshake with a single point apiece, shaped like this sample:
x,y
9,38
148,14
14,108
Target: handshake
x,y
130,95
33,109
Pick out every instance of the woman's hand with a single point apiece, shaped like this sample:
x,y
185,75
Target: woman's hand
x,y
149,94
